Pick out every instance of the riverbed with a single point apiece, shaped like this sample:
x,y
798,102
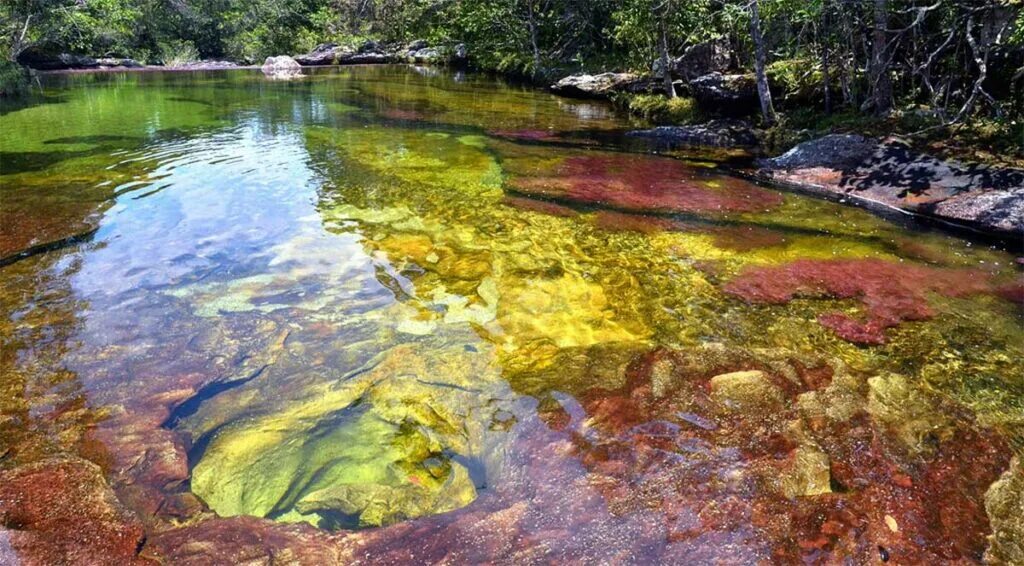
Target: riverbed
x,y
402,314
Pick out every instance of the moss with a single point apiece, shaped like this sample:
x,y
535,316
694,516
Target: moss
x,y
662,110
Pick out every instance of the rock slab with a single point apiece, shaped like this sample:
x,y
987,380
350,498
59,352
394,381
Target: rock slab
x,y
889,174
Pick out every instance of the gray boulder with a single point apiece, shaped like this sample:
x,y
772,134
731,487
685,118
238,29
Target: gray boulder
x,y
323,54
370,46
281,67
366,58
593,86
890,174
716,133
425,55
118,62
835,151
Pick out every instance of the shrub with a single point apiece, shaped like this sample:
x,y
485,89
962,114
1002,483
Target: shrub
x,y
178,52
13,79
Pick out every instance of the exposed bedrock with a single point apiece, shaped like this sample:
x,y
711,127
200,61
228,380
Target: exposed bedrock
x,y
889,174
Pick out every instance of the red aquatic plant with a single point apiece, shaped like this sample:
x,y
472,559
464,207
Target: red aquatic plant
x,y
641,183
891,293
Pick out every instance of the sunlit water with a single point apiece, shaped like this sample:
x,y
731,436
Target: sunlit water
x,y
460,311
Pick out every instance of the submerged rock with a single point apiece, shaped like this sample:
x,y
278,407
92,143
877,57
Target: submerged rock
x,y
281,67
389,440
61,511
911,416
745,392
1004,503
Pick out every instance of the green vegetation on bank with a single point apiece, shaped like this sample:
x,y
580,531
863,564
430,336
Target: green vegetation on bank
x,y
937,66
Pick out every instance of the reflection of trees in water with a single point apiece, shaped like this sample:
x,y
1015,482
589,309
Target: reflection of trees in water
x,y
43,406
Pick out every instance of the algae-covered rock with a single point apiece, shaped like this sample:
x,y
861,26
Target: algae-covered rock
x,y
378,505
910,414
745,391
1004,503
388,440
809,473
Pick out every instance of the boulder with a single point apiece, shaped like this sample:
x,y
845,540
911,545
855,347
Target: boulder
x,y
281,67
369,46
837,151
205,65
425,55
323,54
716,133
460,54
734,95
118,62
45,60
698,60
366,58
593,86
417,45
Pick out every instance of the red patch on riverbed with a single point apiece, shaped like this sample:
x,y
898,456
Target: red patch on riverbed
x,y
891,293
645,184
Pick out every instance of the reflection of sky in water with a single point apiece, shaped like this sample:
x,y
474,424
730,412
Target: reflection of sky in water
x,y
235,209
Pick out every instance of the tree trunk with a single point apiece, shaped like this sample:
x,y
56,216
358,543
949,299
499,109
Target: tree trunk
x,y
533,36
826,68
760,62
881,84
666,71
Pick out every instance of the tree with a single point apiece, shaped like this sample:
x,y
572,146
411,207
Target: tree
x,y
881,83
760,64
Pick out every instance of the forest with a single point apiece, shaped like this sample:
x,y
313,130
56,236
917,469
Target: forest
x,y
916,67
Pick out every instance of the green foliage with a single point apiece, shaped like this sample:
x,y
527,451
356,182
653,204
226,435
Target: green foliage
x,y
13,79
638,24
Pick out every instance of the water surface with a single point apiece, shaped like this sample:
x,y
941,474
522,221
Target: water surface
x,y
439,317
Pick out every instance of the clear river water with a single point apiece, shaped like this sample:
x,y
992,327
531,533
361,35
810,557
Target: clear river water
x,y
409,314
